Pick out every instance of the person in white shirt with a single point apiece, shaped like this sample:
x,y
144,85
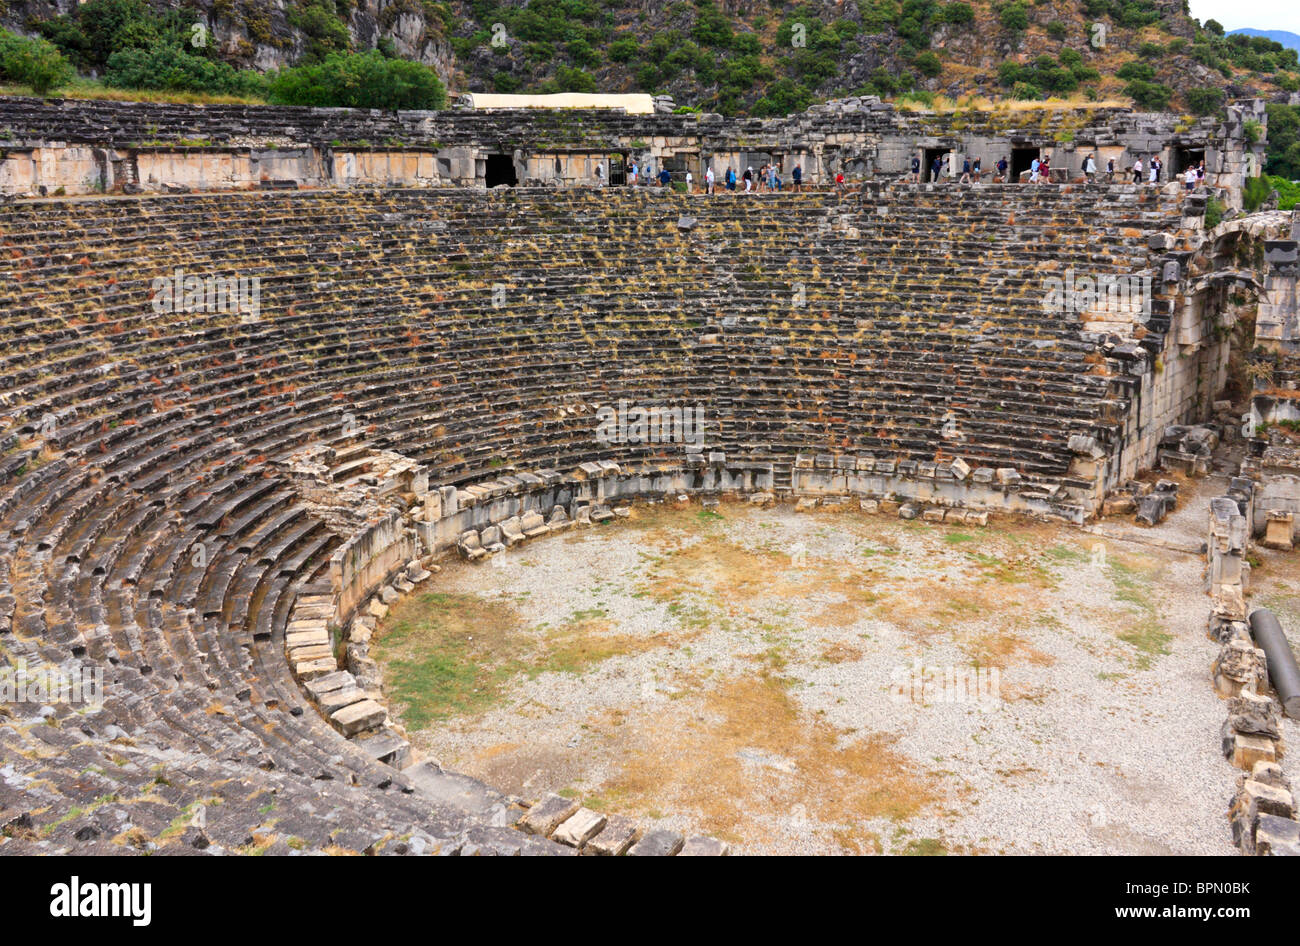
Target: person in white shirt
x,y
1189,180
1137,171
708,180
600,175
689,181
1090,168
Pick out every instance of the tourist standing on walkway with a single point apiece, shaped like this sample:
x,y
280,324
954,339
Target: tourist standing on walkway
x,y
839,182
631,175
1200,174
1045,170
1033,171
1089,168
916,170
1189,180
975,171
749,179
708,180
1153,172
1002,166
730,180
935,167
690,182
1110,170
797,174
1137,170
600,174
965,172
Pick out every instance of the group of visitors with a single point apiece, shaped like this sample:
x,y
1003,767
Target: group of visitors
x,y
1040,170
768,177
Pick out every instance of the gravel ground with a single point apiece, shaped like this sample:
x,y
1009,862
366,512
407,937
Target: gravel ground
x,y
747,675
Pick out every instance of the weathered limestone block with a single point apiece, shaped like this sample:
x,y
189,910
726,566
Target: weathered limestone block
x,y
470,546
908,511
1277,837
366,714
548,814
619,834
490,538
657,844
1253,714
559,520
701,846
533,525
1240,665
933,514
1244,750
579,828
512,531
1279,532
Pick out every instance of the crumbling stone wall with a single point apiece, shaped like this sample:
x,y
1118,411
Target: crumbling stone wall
x,y
863,137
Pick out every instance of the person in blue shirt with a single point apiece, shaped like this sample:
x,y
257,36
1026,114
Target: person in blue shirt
x,y
797,177
665,177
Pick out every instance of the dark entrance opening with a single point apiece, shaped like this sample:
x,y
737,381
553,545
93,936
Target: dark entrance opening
x,y
1184,158
927,166
617,168
500,170
1021,160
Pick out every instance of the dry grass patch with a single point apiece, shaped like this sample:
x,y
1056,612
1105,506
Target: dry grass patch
x,y
745,746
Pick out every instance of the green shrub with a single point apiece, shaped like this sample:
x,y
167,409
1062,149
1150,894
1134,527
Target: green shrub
x,y
711,28
359,80
1255,192
505,83
35,63
783,97
1057,30
171,68
1203,101
326,33
1214,209
928,64
1014,16
1026,92
1288,192
1283,156
624,49
957,14
569,79
1150,96
1136,70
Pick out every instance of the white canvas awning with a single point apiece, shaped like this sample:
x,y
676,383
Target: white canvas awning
x,y
635,104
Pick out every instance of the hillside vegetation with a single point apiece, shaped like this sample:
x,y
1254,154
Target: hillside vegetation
x,y
755,57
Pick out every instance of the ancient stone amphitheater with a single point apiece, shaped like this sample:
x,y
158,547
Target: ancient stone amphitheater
x,y
210,504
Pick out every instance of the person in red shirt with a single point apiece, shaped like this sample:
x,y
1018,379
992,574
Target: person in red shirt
x,y
839,182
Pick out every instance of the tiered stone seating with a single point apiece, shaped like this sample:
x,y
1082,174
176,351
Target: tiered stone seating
x,y
147,529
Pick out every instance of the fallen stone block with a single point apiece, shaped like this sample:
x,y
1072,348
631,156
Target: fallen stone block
x,y
614,839
367,714
657,844
807,504
1279,532
908,511
548,814
579,828
1244,750
700,846
934,514
1240,665
1277,837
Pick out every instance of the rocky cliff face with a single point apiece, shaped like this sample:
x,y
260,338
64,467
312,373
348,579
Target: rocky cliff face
x,y
268,34
764,57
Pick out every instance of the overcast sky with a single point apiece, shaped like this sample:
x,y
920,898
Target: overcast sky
x,y
1260,14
